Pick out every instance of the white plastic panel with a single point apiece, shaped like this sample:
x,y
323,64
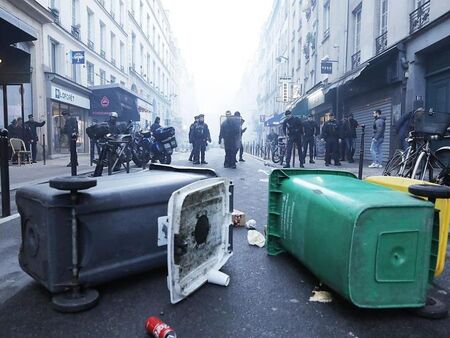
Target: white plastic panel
x,y
198,234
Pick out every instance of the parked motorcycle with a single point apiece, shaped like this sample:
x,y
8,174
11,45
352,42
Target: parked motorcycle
x,y
153,147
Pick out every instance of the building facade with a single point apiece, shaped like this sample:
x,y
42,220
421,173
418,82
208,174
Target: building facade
x,y
125,44
355,56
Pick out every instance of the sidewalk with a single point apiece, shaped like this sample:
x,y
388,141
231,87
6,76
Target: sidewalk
x,y
38,172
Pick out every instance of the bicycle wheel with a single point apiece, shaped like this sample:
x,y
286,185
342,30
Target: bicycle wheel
x,y
440,164
276,156
421,167
394,165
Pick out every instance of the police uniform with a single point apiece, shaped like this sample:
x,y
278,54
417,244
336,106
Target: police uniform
x,y
200,137
330,133
191,141
230,132
293,129
311,130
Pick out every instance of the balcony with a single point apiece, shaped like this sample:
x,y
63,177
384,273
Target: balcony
x,y
103,54
356,59
76,32
91,45
326,34
55,14
419,18
381,43
122,68
113,61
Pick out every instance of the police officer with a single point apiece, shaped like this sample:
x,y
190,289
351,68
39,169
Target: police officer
x,y
293,129
200,138
112,124
31,125
191,141
241,147
311,130
71,130
331,134
156,125
230,132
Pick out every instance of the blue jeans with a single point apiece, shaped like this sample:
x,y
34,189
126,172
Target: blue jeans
x,y
375,149
350,147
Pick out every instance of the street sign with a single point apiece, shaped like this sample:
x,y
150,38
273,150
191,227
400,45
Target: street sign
x,y
326,67
78,57
285,84
262,118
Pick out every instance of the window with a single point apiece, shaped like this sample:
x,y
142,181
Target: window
x,y
148,27
74,12
154,34
122,55
90,73
54,56
326,20
133,51
113,48
148,67
113,8
383,16
154,73
121,14
90,22
357,29
113,79
142,59
102,39
141,13
102,77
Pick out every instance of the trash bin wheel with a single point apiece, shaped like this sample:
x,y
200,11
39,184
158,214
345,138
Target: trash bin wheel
x,y
75,301
433,309
72,183
430,191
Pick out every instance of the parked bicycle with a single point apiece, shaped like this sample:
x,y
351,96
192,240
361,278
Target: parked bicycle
x,y
419,160
279,150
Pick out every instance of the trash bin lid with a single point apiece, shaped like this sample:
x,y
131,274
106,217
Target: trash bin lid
x,y
198,225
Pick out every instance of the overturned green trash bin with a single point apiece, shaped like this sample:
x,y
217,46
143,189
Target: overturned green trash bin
x,y
369,243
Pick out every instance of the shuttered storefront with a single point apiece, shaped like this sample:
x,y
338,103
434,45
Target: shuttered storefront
x,y
363,114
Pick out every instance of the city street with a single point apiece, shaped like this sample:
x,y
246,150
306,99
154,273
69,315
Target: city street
x,y
267,296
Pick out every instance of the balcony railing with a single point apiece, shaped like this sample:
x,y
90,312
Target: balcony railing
x,y
419,18
122,68
381,43
103,53
356,59
90,45
76,31
113,61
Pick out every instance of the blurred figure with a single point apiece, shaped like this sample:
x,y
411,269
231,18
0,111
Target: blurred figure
x,y
71,130
342,133
230,132
350,136
191,140
31,125
311,130
241,146
402,127
293,129
200,136
156,125
112,124
331,134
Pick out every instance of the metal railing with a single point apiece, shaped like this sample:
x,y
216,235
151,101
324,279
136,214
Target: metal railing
x,y
91,45
103,53
419,18
381,43
356,59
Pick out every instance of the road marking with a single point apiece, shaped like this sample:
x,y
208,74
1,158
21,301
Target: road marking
x,y
264,172
9,218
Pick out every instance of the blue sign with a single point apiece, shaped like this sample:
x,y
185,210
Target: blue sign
x,y
78,57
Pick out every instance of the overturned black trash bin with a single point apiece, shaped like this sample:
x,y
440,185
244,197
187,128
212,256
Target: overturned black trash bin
x,y
120,226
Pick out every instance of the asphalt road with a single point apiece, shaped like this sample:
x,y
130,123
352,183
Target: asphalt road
x,y
267,296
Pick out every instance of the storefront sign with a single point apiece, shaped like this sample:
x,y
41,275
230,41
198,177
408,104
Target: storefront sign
x,y
326,67
104,102
78,57
66,96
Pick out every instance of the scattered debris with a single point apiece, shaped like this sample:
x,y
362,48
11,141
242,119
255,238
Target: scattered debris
x,y
274,309
256,238
158,329
321,297
442,292
293,300
251,224
238,218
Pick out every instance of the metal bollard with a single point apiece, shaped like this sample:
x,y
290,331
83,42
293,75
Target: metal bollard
x,y
73,155
4,165
361,152
43,149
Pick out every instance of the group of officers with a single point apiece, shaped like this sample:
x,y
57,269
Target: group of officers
x,y
339,138
231,131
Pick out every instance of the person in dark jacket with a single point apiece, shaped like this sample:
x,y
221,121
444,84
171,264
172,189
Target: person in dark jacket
x,y
379,126
331,135
230,133
293,129
13,130
71,130
342,133
156,125
31,125
191,129
350,126
402,127
200,138
311,130
112,124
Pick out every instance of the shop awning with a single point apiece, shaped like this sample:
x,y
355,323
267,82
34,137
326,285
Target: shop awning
x,y
274,120
114,98
347,78
301,107
15,63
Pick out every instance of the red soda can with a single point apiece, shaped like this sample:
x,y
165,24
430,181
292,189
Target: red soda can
x,y
159,329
